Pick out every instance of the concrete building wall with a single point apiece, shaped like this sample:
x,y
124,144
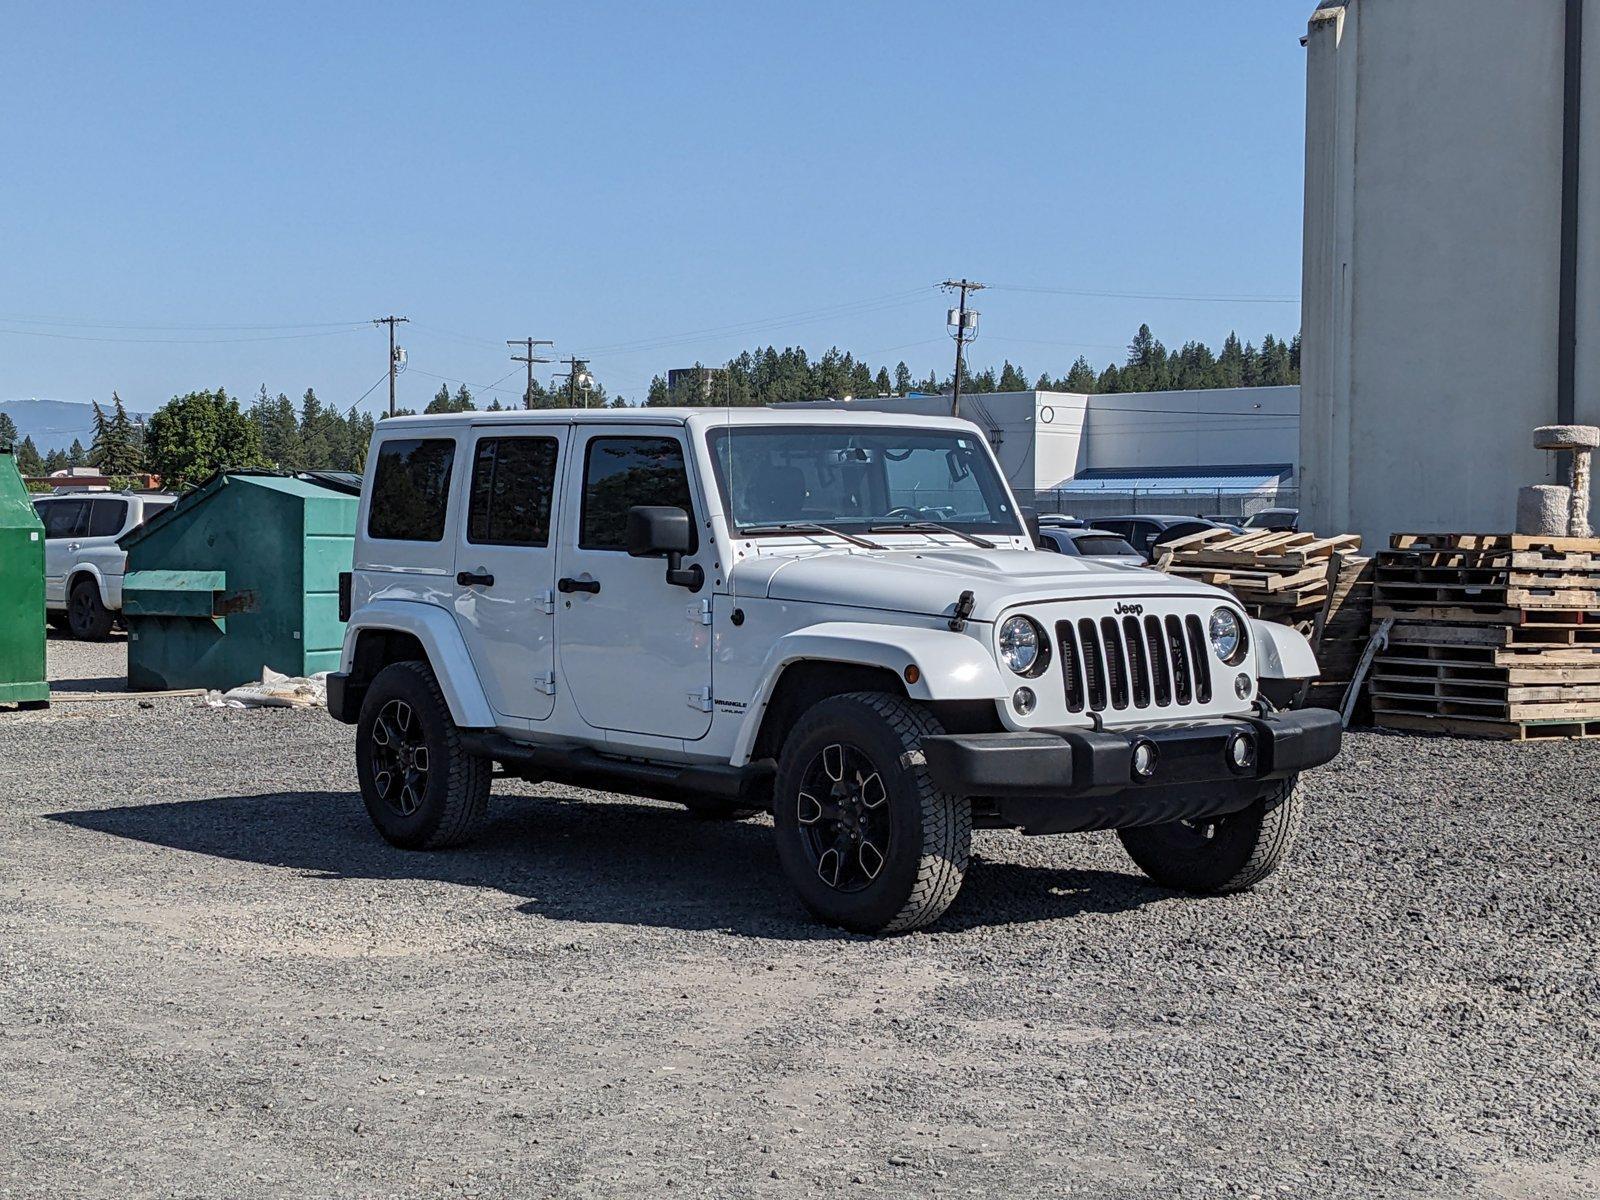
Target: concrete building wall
x,y
1432,261
1045,438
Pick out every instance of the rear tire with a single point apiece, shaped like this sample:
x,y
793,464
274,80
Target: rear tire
x,y
864,836
1243,849
88,619
421,789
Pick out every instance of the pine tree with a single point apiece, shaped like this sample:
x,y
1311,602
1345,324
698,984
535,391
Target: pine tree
x,y
125,453
902,379
8,430
55,461
99,440
882,383
28,460
77,456
1230,364
1012,379
1081,378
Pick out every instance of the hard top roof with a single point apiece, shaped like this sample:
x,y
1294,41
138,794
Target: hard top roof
x,y
699,418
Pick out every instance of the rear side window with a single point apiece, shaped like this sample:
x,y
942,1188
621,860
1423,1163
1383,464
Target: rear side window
x,y
65,519
106,517
513,480
620,472
1105,546
411,489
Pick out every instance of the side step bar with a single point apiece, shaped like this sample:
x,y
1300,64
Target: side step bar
x,y
579,766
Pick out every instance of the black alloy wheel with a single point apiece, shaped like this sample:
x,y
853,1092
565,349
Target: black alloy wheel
x,y
843,813
399,758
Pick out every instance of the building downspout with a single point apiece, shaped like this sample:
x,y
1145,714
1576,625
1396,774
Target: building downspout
x,y
1567,322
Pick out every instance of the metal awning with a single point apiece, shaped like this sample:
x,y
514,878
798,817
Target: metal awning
x,y
1249,477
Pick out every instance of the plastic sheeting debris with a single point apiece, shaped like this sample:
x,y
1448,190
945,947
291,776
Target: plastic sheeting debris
x,y
274,691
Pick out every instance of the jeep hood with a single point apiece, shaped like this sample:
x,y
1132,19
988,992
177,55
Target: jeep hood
x,y
929,579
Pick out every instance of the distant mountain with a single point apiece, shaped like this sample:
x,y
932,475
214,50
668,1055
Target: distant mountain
x,y
52,424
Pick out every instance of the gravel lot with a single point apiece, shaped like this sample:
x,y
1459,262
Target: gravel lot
x,y
215,980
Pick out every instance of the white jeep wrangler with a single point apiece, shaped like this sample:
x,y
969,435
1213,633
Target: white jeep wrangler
x,y
836,616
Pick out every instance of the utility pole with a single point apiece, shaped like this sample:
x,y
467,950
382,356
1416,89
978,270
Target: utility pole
x,y
963,325
530,358
396,354
577,374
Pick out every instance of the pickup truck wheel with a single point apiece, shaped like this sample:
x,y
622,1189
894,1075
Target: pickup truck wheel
x,y
87,618
863,835
421,789
1227,854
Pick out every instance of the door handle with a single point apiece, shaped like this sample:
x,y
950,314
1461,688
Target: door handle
x,y
471,579
592,586
72,546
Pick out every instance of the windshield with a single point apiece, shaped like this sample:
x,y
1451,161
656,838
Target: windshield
x,y
879,478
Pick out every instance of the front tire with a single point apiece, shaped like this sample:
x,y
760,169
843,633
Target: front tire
x,y
865,838
88,619
1240,851
421,789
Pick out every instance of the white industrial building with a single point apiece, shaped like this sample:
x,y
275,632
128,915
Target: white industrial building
x,y
1452,257
1230,450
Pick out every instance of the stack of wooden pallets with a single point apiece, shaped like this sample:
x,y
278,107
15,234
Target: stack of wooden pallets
x,y
1321,586
1495,635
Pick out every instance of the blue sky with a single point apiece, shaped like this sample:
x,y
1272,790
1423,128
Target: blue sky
x,y
647,184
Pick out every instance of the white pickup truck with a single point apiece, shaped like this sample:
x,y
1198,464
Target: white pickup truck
x,y
837,617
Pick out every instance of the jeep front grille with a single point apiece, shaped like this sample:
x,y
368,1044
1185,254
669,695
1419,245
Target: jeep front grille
x,y
1111,664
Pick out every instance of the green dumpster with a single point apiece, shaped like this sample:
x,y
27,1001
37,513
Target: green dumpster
x,y
22,678
241,573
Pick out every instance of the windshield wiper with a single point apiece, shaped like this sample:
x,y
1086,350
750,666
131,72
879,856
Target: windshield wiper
x,y
917,525
810,527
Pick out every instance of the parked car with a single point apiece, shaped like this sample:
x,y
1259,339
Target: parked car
x,y
1062,521
1095,544
83,564
746,610
1147,531
1284,520
1223,520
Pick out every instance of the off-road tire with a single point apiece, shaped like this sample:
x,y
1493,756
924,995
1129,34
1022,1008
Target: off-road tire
x,y
1245,848
455,799
88,619
930,831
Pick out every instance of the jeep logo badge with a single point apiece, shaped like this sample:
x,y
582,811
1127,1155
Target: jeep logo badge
x,y
1133,610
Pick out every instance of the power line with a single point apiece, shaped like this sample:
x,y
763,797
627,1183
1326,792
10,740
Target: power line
x,y
1101,295
349,412
79,323
81,337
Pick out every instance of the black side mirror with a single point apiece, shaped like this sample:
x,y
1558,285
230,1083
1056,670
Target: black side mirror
x,y
659,529
1030,518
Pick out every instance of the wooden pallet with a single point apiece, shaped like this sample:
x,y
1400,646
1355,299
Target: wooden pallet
x,y
1494,709
1493,541
1485,727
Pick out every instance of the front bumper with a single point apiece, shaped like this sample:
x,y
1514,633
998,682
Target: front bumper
x,y
1085,779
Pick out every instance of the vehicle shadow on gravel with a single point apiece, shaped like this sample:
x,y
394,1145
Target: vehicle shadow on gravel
x,y
588,861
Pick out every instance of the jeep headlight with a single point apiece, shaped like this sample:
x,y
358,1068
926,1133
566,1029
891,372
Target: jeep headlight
x,y
1227,636
1024,647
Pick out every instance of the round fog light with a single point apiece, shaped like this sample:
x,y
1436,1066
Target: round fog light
x,y
1144,759
1241,751
1023,700
1242,685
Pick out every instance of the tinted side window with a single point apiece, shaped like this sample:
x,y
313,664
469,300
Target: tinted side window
x,y
513,479
411,489
620,472
106,517
66,518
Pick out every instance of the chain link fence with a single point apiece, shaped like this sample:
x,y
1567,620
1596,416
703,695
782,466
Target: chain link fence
x,y
1217,503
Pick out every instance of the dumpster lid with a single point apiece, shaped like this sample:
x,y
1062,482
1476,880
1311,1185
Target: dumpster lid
x,y
303,484
174,581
